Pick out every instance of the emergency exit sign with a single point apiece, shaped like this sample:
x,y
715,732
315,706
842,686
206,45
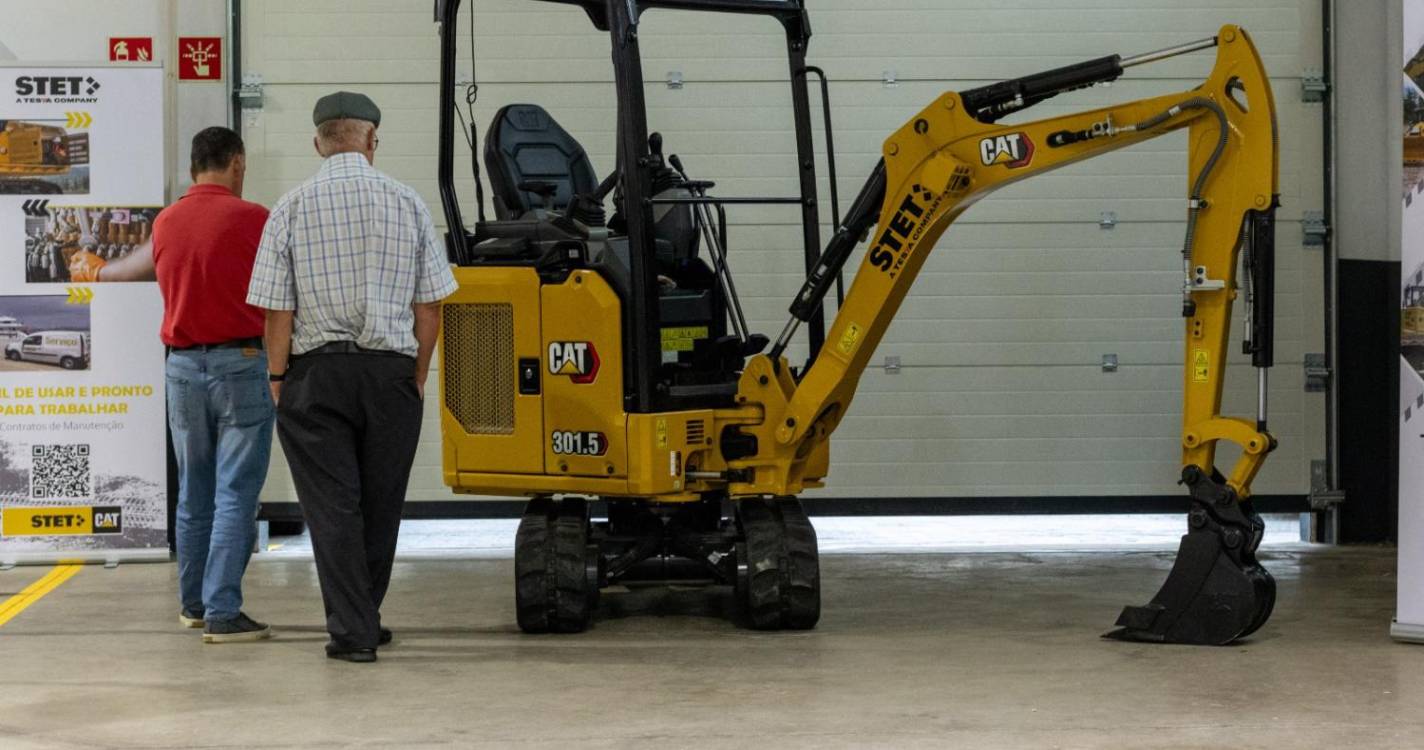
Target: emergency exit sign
x,y
130,49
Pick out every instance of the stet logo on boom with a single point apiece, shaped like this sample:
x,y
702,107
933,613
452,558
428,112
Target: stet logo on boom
x,y
889,252
1013,150
577,359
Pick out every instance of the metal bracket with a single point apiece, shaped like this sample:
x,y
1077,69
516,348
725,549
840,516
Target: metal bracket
x,y
1201,282
1107,220
674,79
1314,228
1317,373
892,365
888,79
1321,496
1313,87
249,94
1109,363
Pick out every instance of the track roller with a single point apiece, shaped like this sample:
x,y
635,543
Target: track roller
x,y
1217,592
555,568
778,566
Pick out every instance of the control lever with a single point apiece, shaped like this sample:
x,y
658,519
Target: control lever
x,y
702,215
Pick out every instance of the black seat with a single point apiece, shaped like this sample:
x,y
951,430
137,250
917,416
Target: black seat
x,y
524,144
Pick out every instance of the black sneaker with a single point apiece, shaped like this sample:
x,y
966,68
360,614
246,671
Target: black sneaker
x,y
386,637
240,628
355,655
188,619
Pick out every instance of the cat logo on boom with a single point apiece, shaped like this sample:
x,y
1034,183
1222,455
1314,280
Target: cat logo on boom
x,y
1013,150
577,359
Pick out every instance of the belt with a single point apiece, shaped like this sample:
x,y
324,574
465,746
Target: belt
x,y
254,342
349,347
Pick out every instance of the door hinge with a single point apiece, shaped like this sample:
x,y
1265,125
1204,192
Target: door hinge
x,y
1313,87
1317,373
249,93
1321,496
1314,229
892,365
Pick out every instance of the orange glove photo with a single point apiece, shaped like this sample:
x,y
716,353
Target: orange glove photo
x,y
84,266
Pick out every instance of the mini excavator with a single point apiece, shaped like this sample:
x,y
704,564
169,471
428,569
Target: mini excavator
x,y
595,358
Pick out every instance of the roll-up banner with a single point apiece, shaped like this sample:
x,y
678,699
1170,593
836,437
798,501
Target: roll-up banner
x,y
83,472
1409,615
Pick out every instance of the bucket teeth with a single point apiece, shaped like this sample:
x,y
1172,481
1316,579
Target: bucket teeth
x,y
1217,592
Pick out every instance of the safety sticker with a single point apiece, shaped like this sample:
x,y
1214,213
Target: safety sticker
x,y
662,432
682,339
849,339
1201,366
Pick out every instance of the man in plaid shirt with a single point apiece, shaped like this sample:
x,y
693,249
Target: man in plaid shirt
x,y
351,274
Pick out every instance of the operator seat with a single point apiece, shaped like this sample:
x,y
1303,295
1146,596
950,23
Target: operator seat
x,y
525,144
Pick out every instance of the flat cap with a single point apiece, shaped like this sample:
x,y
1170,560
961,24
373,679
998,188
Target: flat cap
x,y
346,105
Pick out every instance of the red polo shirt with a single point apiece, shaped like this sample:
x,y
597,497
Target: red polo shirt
x,y
203,248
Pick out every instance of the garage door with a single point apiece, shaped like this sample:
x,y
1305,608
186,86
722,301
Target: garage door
x,y
1000,388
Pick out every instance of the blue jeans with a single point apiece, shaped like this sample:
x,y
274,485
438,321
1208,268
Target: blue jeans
x,y
220,411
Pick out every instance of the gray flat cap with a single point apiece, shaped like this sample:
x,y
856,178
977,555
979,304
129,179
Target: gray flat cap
x,y
346,105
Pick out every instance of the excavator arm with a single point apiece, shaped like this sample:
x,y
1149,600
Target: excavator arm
x,y
953,153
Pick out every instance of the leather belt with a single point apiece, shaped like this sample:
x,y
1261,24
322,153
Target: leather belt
x,y
348,347
254,342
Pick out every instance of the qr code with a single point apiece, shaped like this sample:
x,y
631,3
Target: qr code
x,y
60,471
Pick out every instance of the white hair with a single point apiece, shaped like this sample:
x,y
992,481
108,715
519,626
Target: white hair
x,y
346,134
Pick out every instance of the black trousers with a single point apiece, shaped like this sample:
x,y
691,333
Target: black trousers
x,y
349,424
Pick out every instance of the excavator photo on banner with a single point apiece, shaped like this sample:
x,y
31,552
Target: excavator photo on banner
x,y
700,450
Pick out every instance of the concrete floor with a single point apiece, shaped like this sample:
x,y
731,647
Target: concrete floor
x,y
974,650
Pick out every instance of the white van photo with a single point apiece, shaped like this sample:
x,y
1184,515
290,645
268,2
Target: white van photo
x,y
68,349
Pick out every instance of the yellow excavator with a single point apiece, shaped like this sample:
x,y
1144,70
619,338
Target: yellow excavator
x,y
595,361
31,151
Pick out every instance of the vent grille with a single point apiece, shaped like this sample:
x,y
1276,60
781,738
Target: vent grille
x,y
479,367
696,432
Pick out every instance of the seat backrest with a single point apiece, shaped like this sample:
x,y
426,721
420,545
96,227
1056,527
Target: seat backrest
x,y
524,143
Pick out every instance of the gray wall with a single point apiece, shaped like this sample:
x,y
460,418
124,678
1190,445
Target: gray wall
x,y
1369,128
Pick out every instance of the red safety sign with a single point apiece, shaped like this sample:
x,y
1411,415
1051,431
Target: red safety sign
x,y
200,58
131,48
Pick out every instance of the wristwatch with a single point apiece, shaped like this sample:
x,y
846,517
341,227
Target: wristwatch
x,y
275,378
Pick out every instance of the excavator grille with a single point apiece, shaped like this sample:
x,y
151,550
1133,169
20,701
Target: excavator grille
x,y
696,431
479,367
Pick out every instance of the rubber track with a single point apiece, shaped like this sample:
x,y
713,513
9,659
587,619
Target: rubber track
x,y
784,580
551,588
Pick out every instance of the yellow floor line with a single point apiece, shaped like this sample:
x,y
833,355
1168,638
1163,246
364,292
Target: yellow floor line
x,y
35,591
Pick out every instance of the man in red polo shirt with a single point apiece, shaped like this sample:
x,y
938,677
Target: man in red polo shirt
x,y
219,406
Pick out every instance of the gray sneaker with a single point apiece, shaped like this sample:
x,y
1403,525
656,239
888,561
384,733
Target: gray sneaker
x,y
188,619
240,628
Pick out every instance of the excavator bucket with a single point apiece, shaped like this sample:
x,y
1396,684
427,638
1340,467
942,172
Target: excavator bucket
x,y
1217,592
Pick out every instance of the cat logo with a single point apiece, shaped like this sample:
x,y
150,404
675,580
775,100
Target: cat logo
x,y
577,359
1013,150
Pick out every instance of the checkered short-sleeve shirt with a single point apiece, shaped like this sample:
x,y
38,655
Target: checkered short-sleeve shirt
x,y
350,250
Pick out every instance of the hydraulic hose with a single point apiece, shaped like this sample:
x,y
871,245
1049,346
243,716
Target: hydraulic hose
x,y
1195,203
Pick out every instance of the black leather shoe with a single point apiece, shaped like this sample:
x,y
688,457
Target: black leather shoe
x,y
386,636
355,655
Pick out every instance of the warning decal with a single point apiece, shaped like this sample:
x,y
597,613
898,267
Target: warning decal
x,y
1201,366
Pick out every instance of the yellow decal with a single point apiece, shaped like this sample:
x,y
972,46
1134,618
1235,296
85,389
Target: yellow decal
x,y
849,339
682,339
661,429
79,295
60,521
1201,366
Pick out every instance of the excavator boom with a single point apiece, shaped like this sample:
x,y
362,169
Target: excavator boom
x,y
955,152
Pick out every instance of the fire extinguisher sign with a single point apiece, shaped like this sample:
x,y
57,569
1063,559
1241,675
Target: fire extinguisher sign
x,y
200,58
130,49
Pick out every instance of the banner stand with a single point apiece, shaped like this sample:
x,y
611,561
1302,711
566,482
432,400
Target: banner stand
x,y
83,174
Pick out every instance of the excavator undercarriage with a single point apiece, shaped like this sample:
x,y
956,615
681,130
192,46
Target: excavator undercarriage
x,y
602,365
